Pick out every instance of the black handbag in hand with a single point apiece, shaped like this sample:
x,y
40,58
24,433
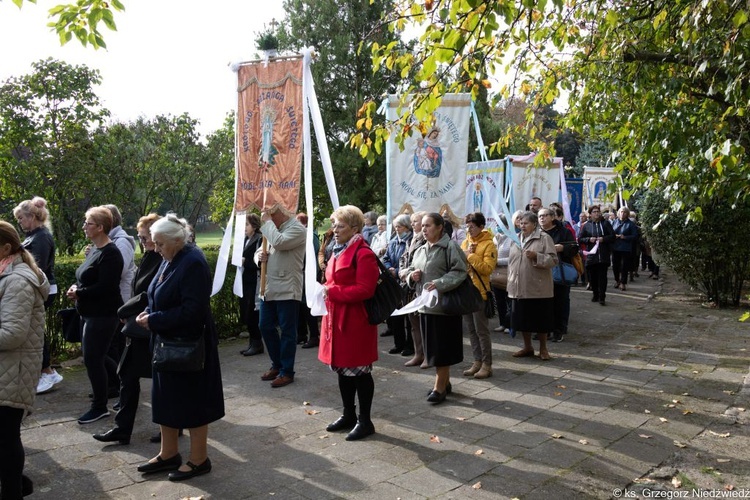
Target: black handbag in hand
x,y
388,297
464,299
179,354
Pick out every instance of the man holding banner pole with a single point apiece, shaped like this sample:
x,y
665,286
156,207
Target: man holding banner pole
x,y
283,260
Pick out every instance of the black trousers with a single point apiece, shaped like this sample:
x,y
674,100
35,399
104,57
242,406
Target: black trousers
x,y
598,280
11,453
134,365
621,266
98,332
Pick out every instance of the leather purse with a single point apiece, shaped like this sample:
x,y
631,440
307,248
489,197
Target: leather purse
x,y
388,297
134,330
464,299
564,274
71,324
499,277
179,354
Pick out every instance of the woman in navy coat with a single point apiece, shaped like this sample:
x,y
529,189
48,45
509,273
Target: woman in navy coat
x,y
179,307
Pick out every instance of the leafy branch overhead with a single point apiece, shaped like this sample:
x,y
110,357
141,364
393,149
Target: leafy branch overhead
x,y
665,84
82,20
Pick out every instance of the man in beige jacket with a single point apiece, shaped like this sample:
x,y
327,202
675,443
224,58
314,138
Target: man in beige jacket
x,y
284,260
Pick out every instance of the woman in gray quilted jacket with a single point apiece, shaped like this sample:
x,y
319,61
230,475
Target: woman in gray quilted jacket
x,y
23,290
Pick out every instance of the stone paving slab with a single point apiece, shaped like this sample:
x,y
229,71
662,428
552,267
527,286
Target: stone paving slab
x,y
579,426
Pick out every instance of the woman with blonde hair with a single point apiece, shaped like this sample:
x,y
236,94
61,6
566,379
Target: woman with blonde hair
x,y
33,217
96,294
23,290
348,342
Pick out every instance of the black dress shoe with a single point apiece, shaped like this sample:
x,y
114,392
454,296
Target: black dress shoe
x,y
409,351
195,470
313,342
113,435
343,423
161,464
395,350
252,351
361,430
448,389
301,340
602,302
437,397
117,406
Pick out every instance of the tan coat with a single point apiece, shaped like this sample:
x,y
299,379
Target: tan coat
x,y
22,296
532,279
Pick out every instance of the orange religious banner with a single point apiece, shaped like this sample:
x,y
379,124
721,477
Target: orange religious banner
x,y
269,135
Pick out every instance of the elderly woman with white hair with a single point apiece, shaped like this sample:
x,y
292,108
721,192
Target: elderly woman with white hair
x,y
178,307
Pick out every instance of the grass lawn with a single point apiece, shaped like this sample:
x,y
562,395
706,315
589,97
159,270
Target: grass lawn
x,y
209,238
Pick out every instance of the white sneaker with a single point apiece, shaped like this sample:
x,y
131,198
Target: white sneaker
x,y
44,385
54,376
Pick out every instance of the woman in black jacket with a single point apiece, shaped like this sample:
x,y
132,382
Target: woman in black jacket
x,y
249,314
566,248
97,297
135,362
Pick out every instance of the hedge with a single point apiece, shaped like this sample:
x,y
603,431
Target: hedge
x,y
224,305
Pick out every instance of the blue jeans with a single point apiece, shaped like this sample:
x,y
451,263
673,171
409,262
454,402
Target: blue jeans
x,y
281,349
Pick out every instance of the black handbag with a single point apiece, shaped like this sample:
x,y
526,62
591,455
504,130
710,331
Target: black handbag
x,y
388,296
489,303
71,324
464,299
179,354
134,330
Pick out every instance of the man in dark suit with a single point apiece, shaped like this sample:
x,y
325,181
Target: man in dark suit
x,y
597,231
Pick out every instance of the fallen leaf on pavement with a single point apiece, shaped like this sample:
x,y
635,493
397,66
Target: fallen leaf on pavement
x,y
680,445
325,436
557,436
723,460
561,387
687,412
477,486
479,452
461,418
435,439
557,393
723,435
644,436
646,411
312,412
662,419
676,482
676,401
583,441
729,487
305,403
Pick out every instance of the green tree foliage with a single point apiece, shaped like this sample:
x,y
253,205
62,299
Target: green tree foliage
x,y
81,19
221,150
665,81
711,255
45,144
53,143
344,81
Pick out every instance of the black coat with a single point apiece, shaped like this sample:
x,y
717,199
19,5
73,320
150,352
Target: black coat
x,y
136,357
603,254
178,306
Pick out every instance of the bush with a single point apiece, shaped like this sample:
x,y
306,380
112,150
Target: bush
x,y
224,305
711,255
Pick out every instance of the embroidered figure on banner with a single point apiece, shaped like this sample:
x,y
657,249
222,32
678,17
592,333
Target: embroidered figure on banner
x,y
428,155
478,197
268,152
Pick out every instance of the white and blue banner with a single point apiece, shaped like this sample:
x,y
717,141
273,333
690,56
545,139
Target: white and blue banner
x,y
430,173
484,190
596,183
530,180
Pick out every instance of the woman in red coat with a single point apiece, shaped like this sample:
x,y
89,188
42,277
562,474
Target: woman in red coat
x,y
348,342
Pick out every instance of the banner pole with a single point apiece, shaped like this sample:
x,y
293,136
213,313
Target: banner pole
x,y
262,291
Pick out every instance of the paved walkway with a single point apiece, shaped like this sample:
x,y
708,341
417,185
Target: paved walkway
x,y
631,380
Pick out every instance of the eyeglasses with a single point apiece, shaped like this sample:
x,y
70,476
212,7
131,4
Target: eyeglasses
x,y
87,223
144,238
339,226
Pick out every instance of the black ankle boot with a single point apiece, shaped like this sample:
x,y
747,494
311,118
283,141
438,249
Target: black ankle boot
x,y
363,429
345,422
